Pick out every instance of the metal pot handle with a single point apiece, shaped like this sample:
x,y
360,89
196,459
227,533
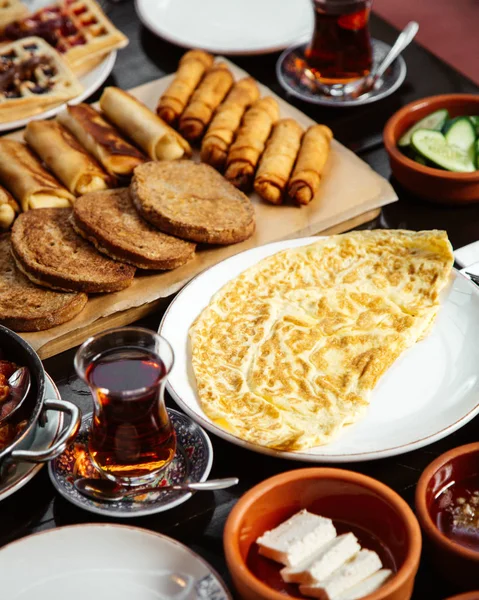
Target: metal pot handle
x,y
61,443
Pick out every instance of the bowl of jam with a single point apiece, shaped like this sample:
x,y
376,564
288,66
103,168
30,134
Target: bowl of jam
x,y
447,506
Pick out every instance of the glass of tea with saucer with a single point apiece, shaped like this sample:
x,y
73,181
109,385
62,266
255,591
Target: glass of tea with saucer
x,y
132,438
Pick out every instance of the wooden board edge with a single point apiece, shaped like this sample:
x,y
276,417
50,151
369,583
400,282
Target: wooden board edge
x,y
125,317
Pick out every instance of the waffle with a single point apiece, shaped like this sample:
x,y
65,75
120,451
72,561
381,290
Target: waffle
x,y
11,10
78,29
33,77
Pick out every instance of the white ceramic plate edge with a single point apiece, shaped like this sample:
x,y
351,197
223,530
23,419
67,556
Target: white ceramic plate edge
x,y
301,456
104,68
172,39
16,485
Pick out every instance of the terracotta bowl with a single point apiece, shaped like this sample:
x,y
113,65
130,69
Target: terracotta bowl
x,y
468,596
429,183
381,520
458,564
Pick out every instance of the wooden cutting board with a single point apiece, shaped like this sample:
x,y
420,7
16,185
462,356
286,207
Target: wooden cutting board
x,y
351,194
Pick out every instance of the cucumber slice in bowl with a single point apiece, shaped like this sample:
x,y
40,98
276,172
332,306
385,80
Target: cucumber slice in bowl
x,y
462,134
435,148
434,121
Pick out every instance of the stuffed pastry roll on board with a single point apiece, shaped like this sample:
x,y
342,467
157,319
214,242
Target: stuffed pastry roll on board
x,y
206,99
249,144
9,209
193,65
312,157
225,123
64,156
28,182
143,126
278,160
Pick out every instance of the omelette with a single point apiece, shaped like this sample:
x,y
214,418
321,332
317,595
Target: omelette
x,y
288,353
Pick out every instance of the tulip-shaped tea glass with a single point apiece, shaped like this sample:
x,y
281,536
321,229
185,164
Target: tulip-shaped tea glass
x,y
132,438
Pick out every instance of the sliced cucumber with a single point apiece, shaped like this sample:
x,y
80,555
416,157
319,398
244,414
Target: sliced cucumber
x,y
434,147
475,122
434,121
462,134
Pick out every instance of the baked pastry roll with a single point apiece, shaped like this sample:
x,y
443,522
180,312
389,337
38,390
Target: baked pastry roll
x,y
191,69
9,209
64,156
312,157
278,160
143,126
225,123
249,144
206,99
25,178
100,139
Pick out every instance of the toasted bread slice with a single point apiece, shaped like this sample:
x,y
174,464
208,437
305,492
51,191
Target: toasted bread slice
x,y
110,222
192,201
48,251
26,307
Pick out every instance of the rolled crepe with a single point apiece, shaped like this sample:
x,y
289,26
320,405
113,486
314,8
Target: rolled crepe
x,y
147,130
9,209
249,144
63,155
312,157
278,160
100,139
191,69
25,178
225,123
206,99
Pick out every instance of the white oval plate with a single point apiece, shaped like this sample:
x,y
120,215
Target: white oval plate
x,y
111,562
228,26
429,393
91,81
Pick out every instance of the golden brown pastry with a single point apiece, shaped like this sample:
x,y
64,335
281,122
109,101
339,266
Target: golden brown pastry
x,y
277,161
28,182
64,156
225,123
9,209
191,69
249,144
143,126
313,154
206,99
100,139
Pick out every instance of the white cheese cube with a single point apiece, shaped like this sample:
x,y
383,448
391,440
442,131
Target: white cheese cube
x,y
368,586
297,538
322,563
358,568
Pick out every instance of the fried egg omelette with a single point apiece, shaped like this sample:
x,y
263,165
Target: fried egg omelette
x,y
287,353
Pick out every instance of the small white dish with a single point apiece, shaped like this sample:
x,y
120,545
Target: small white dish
x,y
112,562
429,393
21,473
91,81
228,27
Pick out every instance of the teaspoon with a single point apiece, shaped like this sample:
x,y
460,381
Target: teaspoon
x,y
19,384
109,491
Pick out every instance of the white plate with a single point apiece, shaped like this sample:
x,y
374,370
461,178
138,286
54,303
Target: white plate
x,y
43,439
229,26
111,562
429,393
91,81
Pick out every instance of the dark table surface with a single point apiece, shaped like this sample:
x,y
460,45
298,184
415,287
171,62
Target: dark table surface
x,y
199,522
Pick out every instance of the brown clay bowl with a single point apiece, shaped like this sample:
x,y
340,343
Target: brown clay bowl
x,y
379,517
426,182
456,563
467,596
